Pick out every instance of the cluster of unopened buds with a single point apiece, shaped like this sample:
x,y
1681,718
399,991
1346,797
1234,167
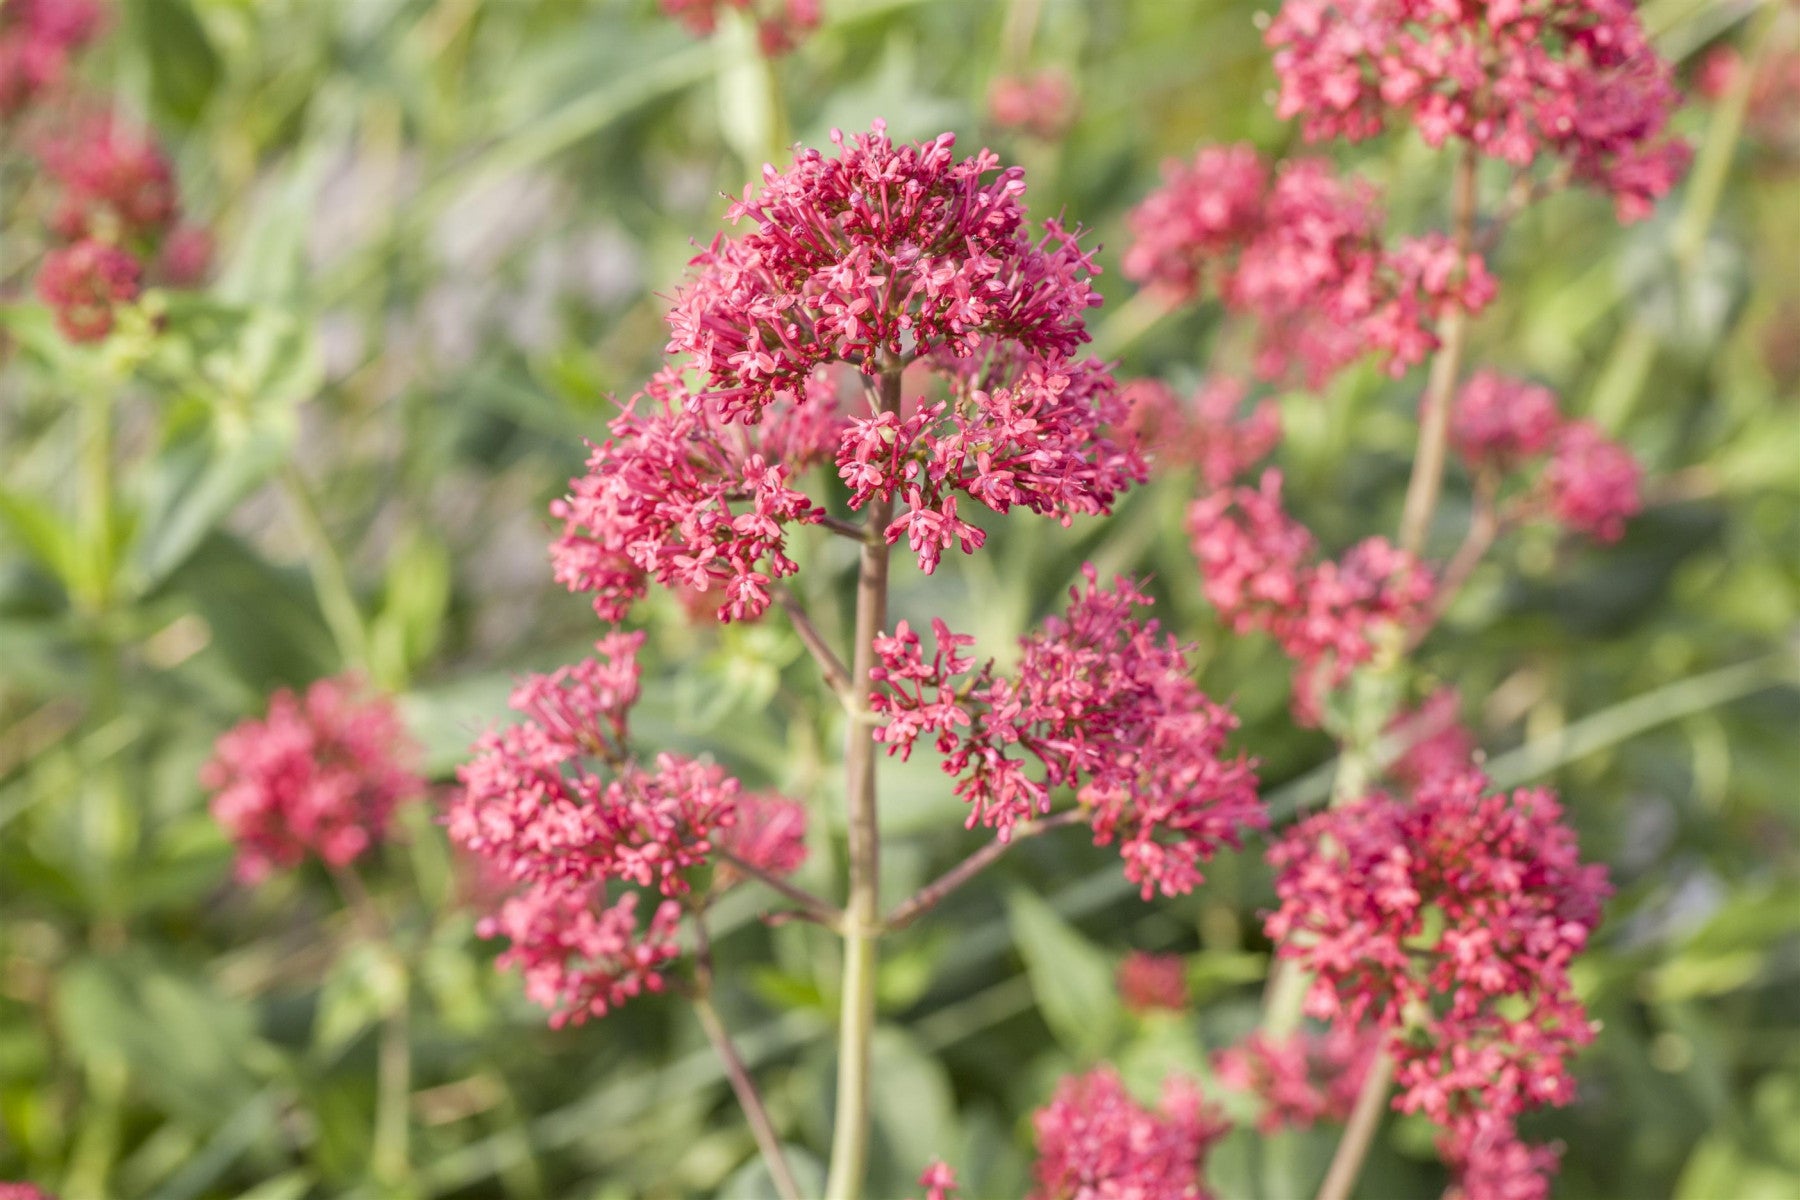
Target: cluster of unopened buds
x,y
111,214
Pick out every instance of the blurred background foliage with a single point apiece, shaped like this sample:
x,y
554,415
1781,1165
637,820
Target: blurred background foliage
x,y
447,230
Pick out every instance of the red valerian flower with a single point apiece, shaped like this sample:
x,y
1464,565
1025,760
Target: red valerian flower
x,y
1593,482
319,776
1148,982
1259,570
770,834
1500,421
1452,921
1489,1161
185,257
37,39
564,812
84,283
1094,1142
1302,1079
1300,251
1433,738
677,496
1042,105
780,24
115,181
1206,432
875,256
939,1181
1104,706
1575,80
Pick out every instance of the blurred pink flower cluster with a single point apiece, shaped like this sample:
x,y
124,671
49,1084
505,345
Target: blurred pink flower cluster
x,y
319,776
1301,252
781,25
1041,104
1450,922
565,813
1104,705
1095,1142
1262,570
1153,982
1206,432
1301,1079
1573,80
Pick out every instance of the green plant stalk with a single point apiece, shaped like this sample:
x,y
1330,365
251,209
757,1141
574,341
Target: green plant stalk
x,y
1621,380
330,578
390,1150
862,911
1365,1119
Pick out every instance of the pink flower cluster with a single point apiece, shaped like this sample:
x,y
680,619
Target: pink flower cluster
x,y
1590,484
1261,571
1042,442
939,1181
1302,254
1450,921
1574,80
1434,741
1104,706
564,812
115,181
320,776
1206,432
769,834
657,502
874,256
1149,982
37,39
1301,1079
781,25
1489,1161
1041,104
1094,1142
84,283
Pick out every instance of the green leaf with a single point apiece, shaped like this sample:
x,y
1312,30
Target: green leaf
x,y
39,531
184,67
1070,976
367,984
194,488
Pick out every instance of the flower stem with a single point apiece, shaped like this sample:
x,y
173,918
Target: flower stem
x,y
927,897
830,665
1434,425
742,1085
862,913
389,1154
811,906
331,580
1365,1118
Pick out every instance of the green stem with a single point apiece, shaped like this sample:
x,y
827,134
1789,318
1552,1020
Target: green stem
x,y
1359,1133
862,912
389,1153
330,578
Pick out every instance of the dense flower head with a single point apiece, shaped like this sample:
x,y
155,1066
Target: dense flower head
x,y
939,1181
1302,1079
85,283
1433,739
1451,920
1593,482
1148,982
1040,104
1574,80
1489,1161
1095,1142
780,24
1301,251
185,256
1500,421
676,497
1772,109
876,255
1104,705
319,776
37,40
115,180
1261,570
562,810
770,835
1206,432
1041,440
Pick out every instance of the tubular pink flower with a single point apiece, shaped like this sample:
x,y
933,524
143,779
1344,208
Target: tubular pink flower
x,y
676,496
1102,706
1575,80
320,776
1042,105
1451,920
1302,1079
1148,982
84,283
939,1181
1095,1142
770,834
1436,742
1258,570
1206,432
114,180
1491,1163
37,39
881,253
1593,482
1501,421
1300,251
559,808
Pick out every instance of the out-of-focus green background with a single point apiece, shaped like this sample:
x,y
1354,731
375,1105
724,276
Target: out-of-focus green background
x,y
447,229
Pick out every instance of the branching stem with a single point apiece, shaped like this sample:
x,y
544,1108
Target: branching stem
x,y
927,897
